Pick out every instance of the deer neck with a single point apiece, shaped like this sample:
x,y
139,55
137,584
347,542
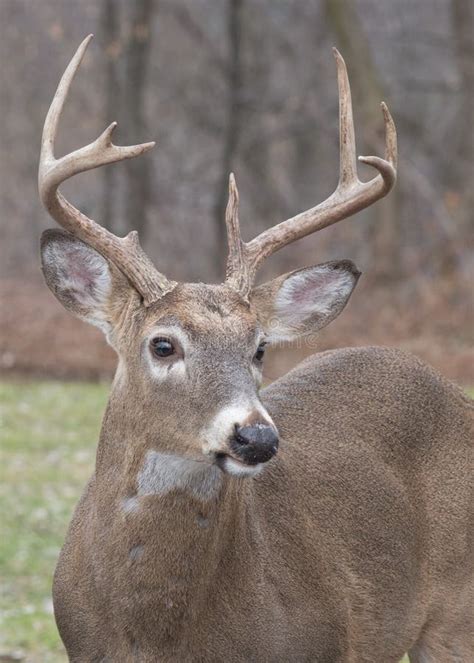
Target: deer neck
x,y
178,523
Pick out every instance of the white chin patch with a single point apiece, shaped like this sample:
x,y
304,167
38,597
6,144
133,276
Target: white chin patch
x,y
236,469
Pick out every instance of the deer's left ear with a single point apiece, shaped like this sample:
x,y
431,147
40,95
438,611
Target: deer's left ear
x,y
301,302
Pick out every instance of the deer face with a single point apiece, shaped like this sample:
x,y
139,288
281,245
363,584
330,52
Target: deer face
x,y
200,357
191,363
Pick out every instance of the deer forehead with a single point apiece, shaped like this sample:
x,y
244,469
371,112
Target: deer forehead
x,y
201,310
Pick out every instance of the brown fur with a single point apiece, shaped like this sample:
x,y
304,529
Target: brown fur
x,y
351,546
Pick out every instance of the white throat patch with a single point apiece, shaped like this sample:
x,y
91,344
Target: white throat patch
x,y
161,473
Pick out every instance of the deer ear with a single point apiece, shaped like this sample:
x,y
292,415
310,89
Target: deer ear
x,y
80,278
301,302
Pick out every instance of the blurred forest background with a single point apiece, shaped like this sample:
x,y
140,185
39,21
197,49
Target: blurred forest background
x,y
249,86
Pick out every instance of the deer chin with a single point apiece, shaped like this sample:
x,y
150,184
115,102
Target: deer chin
x,y
236,468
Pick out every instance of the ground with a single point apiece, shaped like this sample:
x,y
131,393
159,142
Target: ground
x,y
49,432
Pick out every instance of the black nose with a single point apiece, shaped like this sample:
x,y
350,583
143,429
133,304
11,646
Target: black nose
x,y
255,444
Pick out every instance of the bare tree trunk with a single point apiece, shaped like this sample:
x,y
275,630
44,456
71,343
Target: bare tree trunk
x,y
137,54
460,175
255,153
463,24
368,93
233,127
110,27
352,42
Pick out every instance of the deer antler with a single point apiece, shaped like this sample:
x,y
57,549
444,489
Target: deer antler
x,y
126,253
350,196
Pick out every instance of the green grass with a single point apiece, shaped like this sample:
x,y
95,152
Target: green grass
x,y
48,434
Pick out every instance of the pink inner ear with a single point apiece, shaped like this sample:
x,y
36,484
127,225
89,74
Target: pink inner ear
x,y
313,291
83,273
86,273
307,288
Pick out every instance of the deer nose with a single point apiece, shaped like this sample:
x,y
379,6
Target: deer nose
x,y
255,443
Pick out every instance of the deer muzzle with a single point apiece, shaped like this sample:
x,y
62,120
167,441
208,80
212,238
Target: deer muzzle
x,y
255,443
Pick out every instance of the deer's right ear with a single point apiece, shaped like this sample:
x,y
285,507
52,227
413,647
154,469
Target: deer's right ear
x,y
80,278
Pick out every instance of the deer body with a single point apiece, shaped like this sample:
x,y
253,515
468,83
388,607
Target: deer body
x,y
194,540
338,551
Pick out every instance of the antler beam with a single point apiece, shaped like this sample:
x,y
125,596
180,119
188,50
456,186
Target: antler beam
x,y
126,253
350,196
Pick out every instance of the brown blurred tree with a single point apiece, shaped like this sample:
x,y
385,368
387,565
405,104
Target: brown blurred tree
x,y
233,125
460,174
127,59
110,24
136,61
137,53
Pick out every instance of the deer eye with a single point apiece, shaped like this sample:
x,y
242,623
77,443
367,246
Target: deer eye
x,y
162,347
258,356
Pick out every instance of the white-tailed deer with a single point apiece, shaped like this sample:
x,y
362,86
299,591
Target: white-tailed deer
x,y
194,540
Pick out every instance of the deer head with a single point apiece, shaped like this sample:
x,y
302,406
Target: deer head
x,y
190,355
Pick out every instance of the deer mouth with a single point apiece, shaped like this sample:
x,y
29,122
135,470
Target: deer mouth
x,y
241,464
233,466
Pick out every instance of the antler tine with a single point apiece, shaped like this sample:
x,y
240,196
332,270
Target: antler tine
x,y
236,271
387,167
347,144
126,253
232,218
350,196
